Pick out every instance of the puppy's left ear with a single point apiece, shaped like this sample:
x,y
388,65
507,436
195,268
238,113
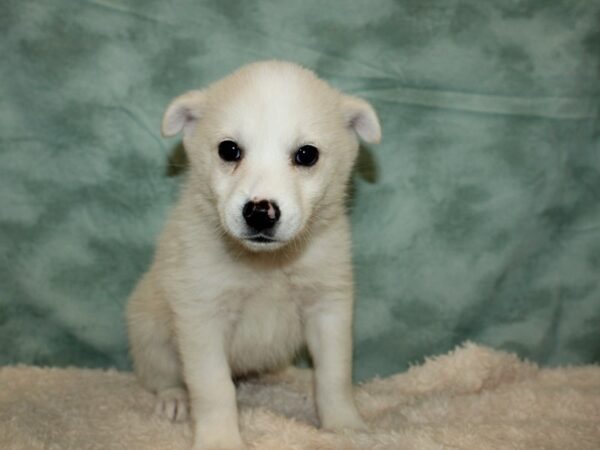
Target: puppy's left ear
x,y
183,113
362,118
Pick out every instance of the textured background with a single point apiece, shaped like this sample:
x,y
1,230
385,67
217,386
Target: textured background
x,y
477,218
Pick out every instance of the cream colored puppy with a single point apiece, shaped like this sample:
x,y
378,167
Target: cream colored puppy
x,y
254,261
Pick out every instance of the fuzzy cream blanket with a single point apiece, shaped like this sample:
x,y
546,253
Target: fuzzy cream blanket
x,y
471,398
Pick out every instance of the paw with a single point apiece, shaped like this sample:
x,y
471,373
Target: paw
x,y
345,421
235,445
218,439
220,447
172,404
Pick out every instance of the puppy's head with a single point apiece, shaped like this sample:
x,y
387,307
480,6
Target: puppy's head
x,y
271,147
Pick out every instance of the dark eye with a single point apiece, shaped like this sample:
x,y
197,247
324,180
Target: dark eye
x,y
229,151
307,155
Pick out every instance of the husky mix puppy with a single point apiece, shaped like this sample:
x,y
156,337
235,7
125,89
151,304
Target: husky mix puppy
x,y
254,261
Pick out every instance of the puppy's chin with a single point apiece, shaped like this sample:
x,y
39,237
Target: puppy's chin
x,y
255,244
260,245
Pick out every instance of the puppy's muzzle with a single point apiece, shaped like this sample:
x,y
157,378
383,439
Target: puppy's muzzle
x,y
261,216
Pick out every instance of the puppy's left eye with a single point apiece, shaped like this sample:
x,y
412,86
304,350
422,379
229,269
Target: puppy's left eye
x,y
307,155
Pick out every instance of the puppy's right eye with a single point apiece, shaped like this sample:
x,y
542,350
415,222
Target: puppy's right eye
x,y
229,151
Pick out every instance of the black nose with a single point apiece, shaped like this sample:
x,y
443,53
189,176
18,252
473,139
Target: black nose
x,y
261,215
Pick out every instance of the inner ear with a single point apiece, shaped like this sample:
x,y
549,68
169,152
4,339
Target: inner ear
x,y
183,113
362,119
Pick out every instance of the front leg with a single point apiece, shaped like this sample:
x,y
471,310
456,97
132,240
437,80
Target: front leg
x,y
329,337
211,390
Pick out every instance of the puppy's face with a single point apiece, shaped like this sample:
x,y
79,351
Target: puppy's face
x,y
272,147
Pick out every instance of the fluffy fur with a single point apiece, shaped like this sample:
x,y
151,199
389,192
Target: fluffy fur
x,y
216,305
474,398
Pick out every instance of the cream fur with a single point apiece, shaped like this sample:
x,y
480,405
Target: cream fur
x,y
214,305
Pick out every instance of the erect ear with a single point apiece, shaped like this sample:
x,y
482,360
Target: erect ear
x,y
183,113
362,118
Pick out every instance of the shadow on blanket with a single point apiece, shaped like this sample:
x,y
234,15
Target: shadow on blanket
x,y
471,398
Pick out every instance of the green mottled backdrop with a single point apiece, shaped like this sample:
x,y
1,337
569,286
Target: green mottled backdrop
x,y
478,217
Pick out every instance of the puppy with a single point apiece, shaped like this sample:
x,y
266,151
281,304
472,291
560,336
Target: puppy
x,y
254,261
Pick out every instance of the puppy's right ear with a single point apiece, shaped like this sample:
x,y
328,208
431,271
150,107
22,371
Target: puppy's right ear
x,y
183,113
362,118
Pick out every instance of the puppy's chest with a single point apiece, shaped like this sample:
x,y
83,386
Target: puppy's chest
x,y
266,326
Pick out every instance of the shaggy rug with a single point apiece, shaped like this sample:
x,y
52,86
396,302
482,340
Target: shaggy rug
x,y
471,398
